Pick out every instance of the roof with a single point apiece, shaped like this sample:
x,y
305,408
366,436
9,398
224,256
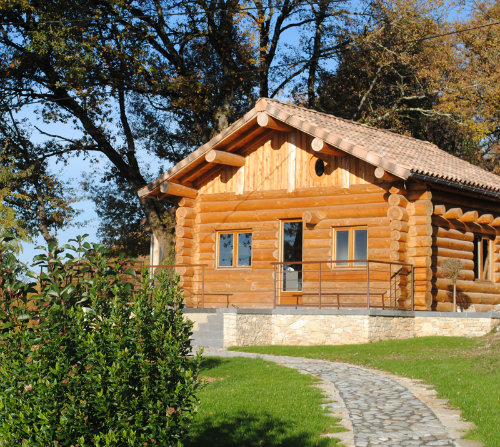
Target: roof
x,y
403,156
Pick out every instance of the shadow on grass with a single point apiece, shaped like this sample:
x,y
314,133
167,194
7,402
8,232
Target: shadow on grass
x,y
243,430
211,362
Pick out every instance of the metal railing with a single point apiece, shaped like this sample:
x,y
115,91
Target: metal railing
x,y
344,283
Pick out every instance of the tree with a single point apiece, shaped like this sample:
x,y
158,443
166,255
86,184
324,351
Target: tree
x,y
159,75
395,72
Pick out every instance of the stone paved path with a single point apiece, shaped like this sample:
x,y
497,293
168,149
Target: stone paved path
x,y
382,411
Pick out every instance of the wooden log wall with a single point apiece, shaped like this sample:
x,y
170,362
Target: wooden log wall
x,y
184,246
261,214
455,221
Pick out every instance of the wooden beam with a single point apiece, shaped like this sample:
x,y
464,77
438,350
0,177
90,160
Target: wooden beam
x,y
175,189
439,210
312,217
224,158
485,219
382,175
264,120
319,145
469,216
453,213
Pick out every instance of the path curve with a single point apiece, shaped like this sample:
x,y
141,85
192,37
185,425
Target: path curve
x,y
381,408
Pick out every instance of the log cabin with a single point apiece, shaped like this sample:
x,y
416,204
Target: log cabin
x,y
290,206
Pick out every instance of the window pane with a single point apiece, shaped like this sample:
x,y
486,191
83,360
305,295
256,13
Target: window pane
x,y
341,246
360,245
225,250
244,249
292,251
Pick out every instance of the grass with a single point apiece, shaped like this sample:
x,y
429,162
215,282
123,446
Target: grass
x,y
464,371
250,402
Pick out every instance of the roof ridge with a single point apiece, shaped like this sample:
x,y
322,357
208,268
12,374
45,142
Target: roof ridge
x,y
357,123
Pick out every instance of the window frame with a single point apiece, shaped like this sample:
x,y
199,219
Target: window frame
x,y
235,234
350,262
479,266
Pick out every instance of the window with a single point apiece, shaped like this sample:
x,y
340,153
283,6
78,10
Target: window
x,y
291,251
234,249
350,244
482,257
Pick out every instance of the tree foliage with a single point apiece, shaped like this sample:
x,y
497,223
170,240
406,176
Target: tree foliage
x,y
92,360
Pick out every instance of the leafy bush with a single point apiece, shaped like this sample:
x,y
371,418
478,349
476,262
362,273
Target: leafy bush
x,y
100,363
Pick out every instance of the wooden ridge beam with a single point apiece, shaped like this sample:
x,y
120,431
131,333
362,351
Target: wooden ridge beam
x,y
176,189
382,175
264,120
319,145
224,158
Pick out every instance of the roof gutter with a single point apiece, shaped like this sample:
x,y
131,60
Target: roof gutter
x,y
450,183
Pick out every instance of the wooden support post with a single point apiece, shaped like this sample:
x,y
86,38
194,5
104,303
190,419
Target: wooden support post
x,y
175,189
224,158
264,120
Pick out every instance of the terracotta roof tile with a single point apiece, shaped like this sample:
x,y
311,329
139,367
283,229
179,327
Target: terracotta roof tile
x,y
410,154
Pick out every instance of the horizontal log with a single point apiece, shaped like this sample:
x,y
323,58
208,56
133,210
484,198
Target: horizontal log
x,y
399,225
312,217
453,213
275,214
397,256
379,232
419,220
439,210
224,158
423,300
397,200
469,216
398,188
186,201
319,145
462,201
485,219
179,259
176,189
370,222
468,298
465,275
398,236
420,241
184,222
181,243
397,213
419,194
445,252
185,212
421,261
469,286
183,232
444,233
467,264
382,175
284,201
264,120
419,251
420,230
396,246
420,208
454,244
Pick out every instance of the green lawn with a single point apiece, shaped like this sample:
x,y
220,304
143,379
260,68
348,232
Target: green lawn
x,y
250,402
465,371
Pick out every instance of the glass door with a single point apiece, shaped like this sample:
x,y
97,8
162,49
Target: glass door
x,y
291,254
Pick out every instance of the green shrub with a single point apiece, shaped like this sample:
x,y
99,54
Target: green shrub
x,y
101,364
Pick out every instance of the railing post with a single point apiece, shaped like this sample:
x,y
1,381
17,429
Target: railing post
x,y
203,287
319,286
368,283
274,288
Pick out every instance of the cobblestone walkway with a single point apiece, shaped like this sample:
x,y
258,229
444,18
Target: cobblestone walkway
x,y
380,410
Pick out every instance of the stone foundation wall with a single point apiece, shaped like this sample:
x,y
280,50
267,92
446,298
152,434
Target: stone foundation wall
x,y
337,327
